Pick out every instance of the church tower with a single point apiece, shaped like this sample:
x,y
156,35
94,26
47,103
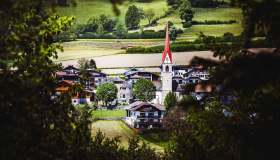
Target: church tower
x,y
166,67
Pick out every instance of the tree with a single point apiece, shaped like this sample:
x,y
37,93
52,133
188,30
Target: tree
x,y
86,64
106,92
170,101
173,33
107,23
144,90
35,124
244,113
121,31
99,24
100,29
150,14
188,88
92,64
133,17
186,12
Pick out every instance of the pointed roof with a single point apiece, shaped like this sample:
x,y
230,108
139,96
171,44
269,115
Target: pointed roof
x,y
167,50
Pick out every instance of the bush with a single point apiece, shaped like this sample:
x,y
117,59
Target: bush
x,y
65,37
91,35
152,34
187,24
133,35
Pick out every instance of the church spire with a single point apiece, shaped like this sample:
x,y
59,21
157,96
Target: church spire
x,y
166,54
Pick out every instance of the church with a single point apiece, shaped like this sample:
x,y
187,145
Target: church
x,y
173,77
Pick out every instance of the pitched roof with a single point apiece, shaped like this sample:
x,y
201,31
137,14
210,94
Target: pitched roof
x,y
71,83
70,67
138,104
167,50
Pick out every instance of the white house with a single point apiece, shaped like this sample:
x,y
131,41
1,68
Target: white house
x,y
144,115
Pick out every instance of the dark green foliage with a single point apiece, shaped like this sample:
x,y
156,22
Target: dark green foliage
x,y
186,12
188,88
144,90
261,16
187,24
207,3
87,64
170,101
91,35
213,22
174,3
66,3
241,121
187,101
175,47
133,17
121,31
140,152
36,123
66,36
106,92
206,134
95,23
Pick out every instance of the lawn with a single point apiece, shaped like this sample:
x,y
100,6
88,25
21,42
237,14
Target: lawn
x,y
120,129
109,113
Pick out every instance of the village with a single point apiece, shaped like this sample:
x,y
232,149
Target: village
x,y
139,79
139,114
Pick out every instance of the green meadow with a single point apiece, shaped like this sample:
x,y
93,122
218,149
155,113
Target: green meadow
x,y
116,128
120,113
90,8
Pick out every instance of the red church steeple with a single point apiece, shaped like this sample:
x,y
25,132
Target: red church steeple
x,y
166,54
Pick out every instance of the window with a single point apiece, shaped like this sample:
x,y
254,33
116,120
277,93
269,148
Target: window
x,y
123,95
167,69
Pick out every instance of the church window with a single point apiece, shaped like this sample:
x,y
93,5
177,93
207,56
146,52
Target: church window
x,y
167,69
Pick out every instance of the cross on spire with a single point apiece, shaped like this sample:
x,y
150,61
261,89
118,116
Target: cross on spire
x,y
166,54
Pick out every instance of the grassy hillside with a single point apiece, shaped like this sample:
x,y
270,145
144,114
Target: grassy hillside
x,y
120,129
91,8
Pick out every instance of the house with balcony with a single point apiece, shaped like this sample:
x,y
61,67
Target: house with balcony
x,y
144,115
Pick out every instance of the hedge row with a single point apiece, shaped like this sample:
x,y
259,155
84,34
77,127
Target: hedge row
x,y
213,22
175,47
147,34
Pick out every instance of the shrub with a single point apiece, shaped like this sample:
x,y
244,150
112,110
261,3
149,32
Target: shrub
x,y
91,35
187,24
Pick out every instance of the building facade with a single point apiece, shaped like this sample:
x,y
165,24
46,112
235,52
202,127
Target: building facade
x,y
144,115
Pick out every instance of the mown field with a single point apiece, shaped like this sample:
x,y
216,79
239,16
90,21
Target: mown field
x,y
113,128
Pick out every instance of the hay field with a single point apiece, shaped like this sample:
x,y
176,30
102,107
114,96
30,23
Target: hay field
x,y
143,60
89,48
